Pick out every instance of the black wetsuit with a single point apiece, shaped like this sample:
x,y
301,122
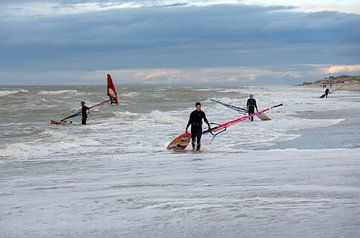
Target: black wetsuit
x,y
195,121
251,105
327,92
84,110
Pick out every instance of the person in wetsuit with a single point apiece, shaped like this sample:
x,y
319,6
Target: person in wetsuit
x,y
327,91
251,105
84,110
195,121
112,100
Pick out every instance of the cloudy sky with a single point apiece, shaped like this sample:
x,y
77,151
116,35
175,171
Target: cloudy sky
x,y
245,42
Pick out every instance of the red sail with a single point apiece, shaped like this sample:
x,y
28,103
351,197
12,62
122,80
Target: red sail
x,y
111,90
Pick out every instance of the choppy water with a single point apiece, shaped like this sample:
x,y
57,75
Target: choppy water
x,y
113,177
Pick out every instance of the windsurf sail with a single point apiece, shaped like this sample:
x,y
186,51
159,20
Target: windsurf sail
x,y
239,109
261,116
113,99
222,127
111,91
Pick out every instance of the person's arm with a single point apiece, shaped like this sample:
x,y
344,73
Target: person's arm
x,y
256,105
206,120
189,122
247,104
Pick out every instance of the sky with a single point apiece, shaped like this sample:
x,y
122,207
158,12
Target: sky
x,y
248,42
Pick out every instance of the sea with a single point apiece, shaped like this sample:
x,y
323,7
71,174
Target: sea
x,y
297,175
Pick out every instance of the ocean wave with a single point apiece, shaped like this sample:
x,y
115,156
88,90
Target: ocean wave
x,y
56,92
48,144
130,94
164,117
9,92
202,89
127,116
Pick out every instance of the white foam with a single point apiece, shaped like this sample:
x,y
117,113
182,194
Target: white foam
x,y
56,92
164,117
9,92
48,143
130,94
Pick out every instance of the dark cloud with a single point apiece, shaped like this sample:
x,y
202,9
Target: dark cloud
x,y
178,37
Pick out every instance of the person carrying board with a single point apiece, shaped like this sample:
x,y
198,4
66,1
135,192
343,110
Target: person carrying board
x,y
327,91
251,105
195,120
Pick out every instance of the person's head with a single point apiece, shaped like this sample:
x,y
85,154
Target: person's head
x,y
251,96
198,106
82,103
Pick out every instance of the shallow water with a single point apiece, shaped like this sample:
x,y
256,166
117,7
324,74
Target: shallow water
x,y
113,177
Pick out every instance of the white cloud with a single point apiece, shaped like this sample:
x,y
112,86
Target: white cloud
x,y
293,74
343,69
36,8
181,45
347,6
215,75
56,8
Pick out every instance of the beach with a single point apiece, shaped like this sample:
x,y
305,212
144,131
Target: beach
x,y
334,85
294,176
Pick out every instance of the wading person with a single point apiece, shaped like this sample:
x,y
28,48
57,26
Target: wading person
x,y
251,105
84,112
195,120
327,91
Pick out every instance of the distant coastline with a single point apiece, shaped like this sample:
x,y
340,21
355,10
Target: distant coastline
x,y
342,82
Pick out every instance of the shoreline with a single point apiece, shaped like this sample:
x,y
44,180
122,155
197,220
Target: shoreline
x,y
340,135
335,86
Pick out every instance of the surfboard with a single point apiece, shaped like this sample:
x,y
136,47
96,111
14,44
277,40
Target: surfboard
x,y
54,122
180,142
264,117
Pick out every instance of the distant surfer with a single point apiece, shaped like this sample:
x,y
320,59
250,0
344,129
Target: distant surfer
x,y
113,100
327,91
195,120
84,112
251,105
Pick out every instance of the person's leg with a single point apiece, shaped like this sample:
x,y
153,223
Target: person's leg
x,y
83,120
251,111
193,137
198,137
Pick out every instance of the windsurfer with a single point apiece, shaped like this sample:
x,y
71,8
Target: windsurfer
x,y
84,111
327,91
195,121
251,105
113,100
